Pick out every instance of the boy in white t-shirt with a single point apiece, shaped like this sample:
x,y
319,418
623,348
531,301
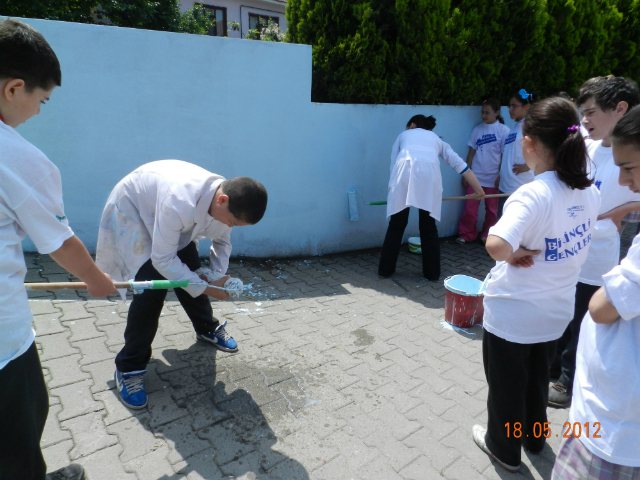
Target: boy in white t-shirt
x,y
30,204
539,243
606,390
603,101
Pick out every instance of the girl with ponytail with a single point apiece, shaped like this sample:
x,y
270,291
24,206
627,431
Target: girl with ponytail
x,y
539,245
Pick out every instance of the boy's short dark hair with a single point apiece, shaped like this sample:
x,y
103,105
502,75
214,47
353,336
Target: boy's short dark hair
x,y
247,198
25,54
608,91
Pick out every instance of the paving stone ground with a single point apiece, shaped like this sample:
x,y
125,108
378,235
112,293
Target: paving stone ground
x,y
340,375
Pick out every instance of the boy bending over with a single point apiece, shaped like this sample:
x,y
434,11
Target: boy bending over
x,y
149,228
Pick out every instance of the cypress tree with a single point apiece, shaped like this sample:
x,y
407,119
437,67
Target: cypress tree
x,y
596,23
414,30
626,47
474,59
348,51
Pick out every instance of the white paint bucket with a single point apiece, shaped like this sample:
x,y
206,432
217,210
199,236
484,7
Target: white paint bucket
x,y
415,245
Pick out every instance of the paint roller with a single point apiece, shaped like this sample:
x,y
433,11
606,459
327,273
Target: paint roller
x,y
353,202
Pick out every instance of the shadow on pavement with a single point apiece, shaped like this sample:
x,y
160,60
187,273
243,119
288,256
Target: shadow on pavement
x,y
199,403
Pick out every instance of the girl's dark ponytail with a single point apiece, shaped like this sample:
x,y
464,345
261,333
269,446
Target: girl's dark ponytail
x,y
570,169
556,123
494,103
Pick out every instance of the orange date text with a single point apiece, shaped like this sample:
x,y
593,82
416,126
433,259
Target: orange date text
x,y
576,429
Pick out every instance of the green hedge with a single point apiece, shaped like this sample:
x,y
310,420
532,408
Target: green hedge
x,y
459,52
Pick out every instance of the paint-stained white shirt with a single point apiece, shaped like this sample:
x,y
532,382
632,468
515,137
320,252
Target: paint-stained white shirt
x,y
30,204
154,212
416,180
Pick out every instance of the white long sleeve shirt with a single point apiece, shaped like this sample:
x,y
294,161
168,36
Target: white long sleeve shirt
x,y
154,212
607,384
416,180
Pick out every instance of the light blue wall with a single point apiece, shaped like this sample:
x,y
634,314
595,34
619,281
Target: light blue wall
x,y
235,107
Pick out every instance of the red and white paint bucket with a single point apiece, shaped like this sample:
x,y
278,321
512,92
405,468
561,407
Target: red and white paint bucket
x,y
463,302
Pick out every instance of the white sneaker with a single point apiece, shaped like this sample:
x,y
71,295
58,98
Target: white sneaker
x,y
461,240
479,434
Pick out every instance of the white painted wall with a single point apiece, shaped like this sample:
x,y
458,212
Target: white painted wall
x,y
235,108
239,10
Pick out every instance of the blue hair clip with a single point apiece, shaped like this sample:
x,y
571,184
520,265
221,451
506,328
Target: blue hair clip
x,y
523,93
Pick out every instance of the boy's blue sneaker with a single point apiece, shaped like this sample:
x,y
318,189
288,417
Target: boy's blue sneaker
x,y
131,388
220,338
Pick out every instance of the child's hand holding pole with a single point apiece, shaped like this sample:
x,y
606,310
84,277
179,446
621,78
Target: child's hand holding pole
x,y
470,177
74,258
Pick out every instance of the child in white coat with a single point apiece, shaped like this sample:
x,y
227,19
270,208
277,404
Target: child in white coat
x,y
416,182
530,295
149,229
606,389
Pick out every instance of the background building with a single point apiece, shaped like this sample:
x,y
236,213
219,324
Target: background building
x,y
250,14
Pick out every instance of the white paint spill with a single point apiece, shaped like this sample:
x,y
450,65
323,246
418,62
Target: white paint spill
x,y
447,326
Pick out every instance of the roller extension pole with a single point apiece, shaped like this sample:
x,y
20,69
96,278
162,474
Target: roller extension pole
x,y
147,285
493,195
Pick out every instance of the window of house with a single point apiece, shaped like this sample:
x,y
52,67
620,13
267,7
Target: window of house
x,y
219,14
258,22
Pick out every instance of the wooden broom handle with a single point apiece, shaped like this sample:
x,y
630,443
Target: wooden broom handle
x,y
67,286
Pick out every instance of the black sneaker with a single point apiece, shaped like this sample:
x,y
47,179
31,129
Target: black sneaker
x,y
559,396
71,472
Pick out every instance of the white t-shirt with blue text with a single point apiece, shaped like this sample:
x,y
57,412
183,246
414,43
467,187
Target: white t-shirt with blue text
x,y
487,140
511,155
604,252
535,304
606,388
30,204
